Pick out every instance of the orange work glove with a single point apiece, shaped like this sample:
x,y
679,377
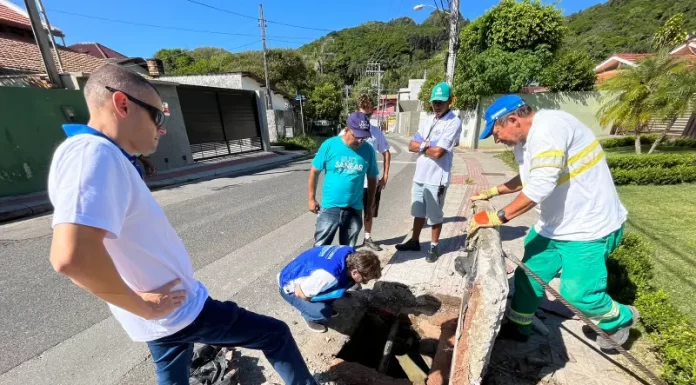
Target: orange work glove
x,y
484,219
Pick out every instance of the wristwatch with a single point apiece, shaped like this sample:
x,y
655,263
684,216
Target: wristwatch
x,y
422,146
501,216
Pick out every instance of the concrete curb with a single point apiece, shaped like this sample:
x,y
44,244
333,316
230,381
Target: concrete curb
x,y
18,211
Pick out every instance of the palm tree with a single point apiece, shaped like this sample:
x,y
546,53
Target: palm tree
x,y
629,99
673,98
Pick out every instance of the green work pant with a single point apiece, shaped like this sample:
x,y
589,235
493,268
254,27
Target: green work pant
x,y
583,279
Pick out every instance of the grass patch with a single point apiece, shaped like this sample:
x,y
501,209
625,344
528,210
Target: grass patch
x,y
508,157
631,272
666,216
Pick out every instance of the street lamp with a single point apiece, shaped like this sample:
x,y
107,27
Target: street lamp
x,y
421,6
453,35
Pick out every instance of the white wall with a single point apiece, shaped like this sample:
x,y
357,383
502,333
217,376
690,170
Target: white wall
x,y
277,101
233,81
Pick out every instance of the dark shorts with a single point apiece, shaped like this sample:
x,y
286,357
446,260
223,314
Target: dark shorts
x,y
375,207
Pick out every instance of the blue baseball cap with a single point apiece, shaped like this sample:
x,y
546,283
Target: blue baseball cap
x,y
441,92
359,123
501,106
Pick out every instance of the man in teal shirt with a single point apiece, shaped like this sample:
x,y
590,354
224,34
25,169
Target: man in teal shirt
x,y
345,160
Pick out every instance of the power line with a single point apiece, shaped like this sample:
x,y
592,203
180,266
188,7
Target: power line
x,y
167,27
256,18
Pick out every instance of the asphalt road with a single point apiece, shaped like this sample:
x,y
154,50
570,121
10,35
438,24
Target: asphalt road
x,y
238,232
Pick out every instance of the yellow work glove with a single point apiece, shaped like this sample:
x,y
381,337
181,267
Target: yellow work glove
x,y
483,219
486,194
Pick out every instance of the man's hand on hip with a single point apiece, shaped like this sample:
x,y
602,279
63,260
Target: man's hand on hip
x,y
485,195
313,206
163,301
484,219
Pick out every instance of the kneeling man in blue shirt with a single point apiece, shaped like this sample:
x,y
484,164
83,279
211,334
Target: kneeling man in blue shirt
x,y
318,276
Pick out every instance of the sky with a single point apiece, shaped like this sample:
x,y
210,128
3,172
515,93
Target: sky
x,y
96,20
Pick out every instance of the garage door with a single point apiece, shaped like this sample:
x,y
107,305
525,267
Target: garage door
x,y
220,121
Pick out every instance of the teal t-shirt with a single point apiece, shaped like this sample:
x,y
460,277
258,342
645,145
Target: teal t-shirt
x,y
345,170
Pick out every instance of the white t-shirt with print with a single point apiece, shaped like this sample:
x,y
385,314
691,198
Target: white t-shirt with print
x,y
91,183
563,169
441,133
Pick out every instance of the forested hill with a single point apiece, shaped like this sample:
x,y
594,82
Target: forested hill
x,y
624,25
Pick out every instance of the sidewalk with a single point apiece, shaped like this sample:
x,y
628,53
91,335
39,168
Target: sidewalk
x,y
13,208
564,355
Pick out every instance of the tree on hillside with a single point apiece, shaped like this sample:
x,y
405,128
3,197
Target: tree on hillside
x,y
633,100
570,71
624,25
672,34
673,98
513,45
325,102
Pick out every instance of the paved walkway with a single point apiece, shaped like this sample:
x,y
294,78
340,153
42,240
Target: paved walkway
x,y
13,208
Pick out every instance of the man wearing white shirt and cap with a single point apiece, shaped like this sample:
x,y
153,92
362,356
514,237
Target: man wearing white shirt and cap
x,y
565,176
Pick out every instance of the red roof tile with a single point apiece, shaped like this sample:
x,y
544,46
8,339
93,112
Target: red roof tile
x,y
14,15
97,50
24,56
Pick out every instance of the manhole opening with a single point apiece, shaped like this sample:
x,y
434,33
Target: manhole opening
x,y
367,345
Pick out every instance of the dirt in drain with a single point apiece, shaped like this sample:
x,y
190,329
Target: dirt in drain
x,y
366,345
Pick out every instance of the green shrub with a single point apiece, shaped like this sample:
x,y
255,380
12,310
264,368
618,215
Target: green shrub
x,y
302,142
627,141
648,139
654,175
630,272
632,162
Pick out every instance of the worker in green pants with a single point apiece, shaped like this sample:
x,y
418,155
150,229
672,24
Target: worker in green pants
x,y
564,175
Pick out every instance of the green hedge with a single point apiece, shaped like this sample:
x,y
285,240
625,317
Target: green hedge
x,y
632,162
630,271
655,175
628,141
302,142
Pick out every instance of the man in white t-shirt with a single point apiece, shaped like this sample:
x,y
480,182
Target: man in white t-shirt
x,y
380,144
434,142
111,238
565,176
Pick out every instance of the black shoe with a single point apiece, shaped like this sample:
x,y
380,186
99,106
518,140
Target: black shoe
x,y
410,245
372,245
316,327
509,331
433,254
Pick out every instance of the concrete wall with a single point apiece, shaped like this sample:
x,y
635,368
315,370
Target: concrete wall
x,y
582,105
174,149
232,80
408,123
30,130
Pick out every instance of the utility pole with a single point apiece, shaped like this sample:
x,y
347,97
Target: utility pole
x,y
42,42
453,40
50,34
262,23
375,68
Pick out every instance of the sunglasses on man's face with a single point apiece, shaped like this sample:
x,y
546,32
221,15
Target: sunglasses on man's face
x,y
155,113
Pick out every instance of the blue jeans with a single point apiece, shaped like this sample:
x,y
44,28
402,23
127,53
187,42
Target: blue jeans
x,y
348,223
319,312
226,324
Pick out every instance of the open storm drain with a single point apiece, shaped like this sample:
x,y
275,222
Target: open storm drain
x,y
390,345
